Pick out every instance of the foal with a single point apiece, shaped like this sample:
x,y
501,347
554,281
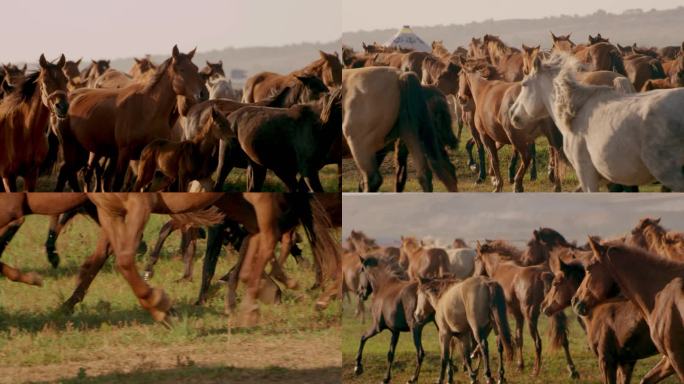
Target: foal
x,y
183,161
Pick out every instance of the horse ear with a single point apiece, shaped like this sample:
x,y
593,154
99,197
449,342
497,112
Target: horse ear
x,y
323,54
137,60
192,53
554,37
43,63
220,62
657,221
78,62
108,62
175,51
536,234
23,69
598,249
478,246
62,61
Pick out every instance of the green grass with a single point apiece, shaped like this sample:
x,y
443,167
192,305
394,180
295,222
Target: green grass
x,y
466,177
110,338
553,362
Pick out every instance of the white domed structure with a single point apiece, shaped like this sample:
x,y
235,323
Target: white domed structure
x,y
406,39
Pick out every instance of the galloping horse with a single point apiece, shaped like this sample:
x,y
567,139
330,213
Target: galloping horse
x,y
119,123
24,120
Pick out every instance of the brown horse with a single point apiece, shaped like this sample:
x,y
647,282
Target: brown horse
x,y
525,288
96,69
119,123
351,281
641,68
24,120
651,236
10,76
676,71
142,67
392,306
212,70
362,244
507,60
654,284
617,333
400,111
600,55
113,79
466,310
290,141
327,69
184,161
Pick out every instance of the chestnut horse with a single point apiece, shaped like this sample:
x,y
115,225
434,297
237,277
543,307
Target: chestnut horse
x,y
96,69
24,121
119,123
524,288
142,67
327,69
399,111
10,76
652,283
184,161
651,236
617,333
392,306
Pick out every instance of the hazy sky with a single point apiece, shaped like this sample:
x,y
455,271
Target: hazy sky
x,y
380,14
123,28
506,216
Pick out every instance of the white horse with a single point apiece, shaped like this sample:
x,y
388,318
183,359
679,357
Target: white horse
x,y
629,139
221,88
461,260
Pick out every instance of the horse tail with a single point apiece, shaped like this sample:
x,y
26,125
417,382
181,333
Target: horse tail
x,y
441,116
205,217
325,248
248,91
497,305
616,62
414,114
558,331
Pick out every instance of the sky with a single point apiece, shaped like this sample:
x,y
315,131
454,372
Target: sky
x,y
124,28
382,14
506,216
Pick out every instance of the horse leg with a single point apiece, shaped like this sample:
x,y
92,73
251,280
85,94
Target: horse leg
x,y
519,323
9,231
419,161
500,351
251,273
659,372
390,356
445,358
10,183
532,319
417,334
466,341
89,269
255,173
368,167
312,180
559,319
532,150
625,371
579,156
469,150
190,245
607,366
13,274
490,144
372,331
400,165
30,179
214,244
481,339
164,233
511,167
50,243
124,232
122,163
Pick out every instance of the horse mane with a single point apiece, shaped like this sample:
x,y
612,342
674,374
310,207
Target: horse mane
x,y
439,285
158,74
389,266
570,95
642,256
21,93
554,235
503,248
500,49
313,68
331,101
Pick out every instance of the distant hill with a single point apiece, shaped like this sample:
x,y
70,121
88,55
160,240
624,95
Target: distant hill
x,y
282,59
648,28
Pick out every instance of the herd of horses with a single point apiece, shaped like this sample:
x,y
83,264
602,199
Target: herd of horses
x,y
610,111
627,293
168,126
254,223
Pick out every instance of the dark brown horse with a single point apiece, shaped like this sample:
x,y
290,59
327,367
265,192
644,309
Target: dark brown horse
x,y
24,120
617,333
290,141
392,306
119,123
652,283
327,69
524,288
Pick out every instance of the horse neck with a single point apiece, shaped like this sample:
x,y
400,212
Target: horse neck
x,y
163,95
38,113
634,275
381,279
476,83
654,237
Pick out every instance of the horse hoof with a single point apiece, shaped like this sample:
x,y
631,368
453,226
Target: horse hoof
x,y
479,181
158,304
518,189
358,370
474,168
142,248
53,258
574,375
501,381
147,275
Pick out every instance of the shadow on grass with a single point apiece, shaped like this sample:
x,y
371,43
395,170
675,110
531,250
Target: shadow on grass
x,y
187,372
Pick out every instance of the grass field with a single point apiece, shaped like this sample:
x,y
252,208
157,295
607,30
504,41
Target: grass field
x,y
111,339
236,181
466,178
553,362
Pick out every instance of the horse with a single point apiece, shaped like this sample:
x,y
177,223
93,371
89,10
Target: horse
x,y
24,120
492,99
507,60
351,281
327,69
142,67
113,79
651,236
184,161
289,141
96,69
400,111
119,123
676,71
652,283
467,310
617,141
524,287
222,88
641,68
362,244
10,76
429,262
392,307
617,332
